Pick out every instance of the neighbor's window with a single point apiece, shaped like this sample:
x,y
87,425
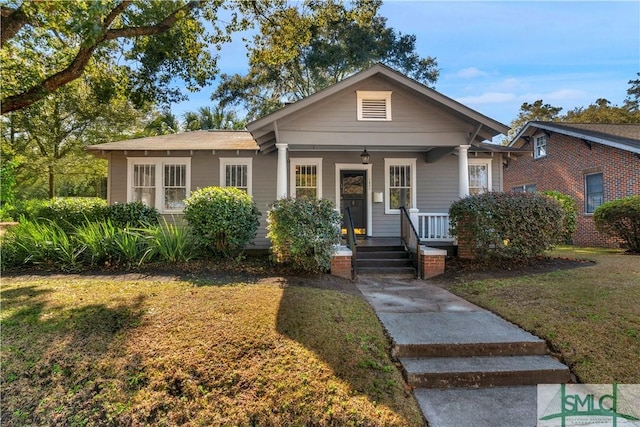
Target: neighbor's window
x,y
527,188
162,183
374,105
236,172
479,176
306,178
539,146
400,184
594,191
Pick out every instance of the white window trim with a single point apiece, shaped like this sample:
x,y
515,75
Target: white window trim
x,y
374,94
487,163
387,183
159,163
304,161
535,145
248,161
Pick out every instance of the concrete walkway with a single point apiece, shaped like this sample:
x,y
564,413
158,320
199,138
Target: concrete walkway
x,y
469,367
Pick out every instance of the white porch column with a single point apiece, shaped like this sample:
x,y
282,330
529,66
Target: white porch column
x,y
281,183
463,171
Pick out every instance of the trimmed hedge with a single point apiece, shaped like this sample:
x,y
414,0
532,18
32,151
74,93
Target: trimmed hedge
x,y
508,226
620,218
570,212
132,214
304,232
222,219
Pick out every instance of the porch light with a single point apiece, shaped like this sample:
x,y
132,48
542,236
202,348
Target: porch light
x,y
365,157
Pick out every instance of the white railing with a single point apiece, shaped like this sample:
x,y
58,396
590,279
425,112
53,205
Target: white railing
x,y
434,227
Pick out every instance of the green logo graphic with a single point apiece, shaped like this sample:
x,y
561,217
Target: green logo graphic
x,y
592,405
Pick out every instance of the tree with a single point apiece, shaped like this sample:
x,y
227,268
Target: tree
x,y
48,44
303,48
532,112
161,123
218,118
602,111
632,102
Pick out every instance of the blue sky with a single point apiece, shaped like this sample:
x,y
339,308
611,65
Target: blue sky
x,y
495,55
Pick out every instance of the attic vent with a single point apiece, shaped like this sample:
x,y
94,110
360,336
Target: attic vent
x,y
374,105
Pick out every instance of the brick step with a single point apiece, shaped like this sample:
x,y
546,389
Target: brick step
x,y
446,372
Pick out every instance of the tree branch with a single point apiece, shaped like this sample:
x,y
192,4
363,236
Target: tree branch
x,y
11,22
79,63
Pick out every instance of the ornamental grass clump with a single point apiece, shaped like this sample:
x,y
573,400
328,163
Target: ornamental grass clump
x,y
303,232
510,227
621,219
223,220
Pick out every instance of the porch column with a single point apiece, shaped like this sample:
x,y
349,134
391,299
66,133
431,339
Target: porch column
x,y
463,171
281,183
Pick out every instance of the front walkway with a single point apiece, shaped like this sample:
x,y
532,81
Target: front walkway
x,y
469,367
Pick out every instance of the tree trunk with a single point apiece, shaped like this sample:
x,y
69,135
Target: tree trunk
x,y
51,195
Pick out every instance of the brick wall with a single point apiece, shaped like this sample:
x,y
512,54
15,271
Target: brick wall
x,y
563,169
341,266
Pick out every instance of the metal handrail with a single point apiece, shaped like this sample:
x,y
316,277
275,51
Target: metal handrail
x,y
410,239
352,242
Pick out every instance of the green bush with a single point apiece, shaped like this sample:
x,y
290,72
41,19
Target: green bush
x,y
171,243
570,212
621,218
508,226
303,232
222,220
66,212
132,214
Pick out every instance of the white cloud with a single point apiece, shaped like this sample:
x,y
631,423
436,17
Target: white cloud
x,y
488,98
471,72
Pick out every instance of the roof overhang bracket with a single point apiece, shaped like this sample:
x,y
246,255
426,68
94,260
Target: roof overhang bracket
x,y
546,132
472,136
588,144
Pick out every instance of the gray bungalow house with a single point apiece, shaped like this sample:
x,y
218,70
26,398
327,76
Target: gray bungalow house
x,y
374,142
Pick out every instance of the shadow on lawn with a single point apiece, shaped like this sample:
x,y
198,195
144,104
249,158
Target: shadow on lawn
x,y
55,360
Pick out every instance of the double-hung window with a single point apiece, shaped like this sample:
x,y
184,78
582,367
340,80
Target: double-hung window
x,y
539,146
162,183
594,191
400,184
306,178
236,172
479,176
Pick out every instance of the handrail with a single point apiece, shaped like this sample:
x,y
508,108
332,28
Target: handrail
x,y
352,242
410,239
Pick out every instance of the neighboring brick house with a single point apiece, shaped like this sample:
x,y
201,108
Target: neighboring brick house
x,y
593,163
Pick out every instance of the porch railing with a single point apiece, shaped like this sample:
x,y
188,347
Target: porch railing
x,y
352,242
434,227
410,239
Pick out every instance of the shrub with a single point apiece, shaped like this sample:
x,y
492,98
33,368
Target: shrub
x,y
222,220
304,231
570,208
171,242
99,238
66,212
508,226
621,218
132,214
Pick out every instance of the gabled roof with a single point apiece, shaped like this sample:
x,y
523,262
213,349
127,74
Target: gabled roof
x,y
262,127
622,136
195,140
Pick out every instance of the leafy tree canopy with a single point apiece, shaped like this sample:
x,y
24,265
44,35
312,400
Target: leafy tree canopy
x,y
303,48
538,111
48,44
216,118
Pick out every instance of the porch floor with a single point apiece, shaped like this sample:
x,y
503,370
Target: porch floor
x,y
395,241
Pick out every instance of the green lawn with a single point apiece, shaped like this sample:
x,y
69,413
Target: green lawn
x,y
590,314
110,351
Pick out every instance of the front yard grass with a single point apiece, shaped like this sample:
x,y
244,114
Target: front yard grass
x,y
81,351
590,315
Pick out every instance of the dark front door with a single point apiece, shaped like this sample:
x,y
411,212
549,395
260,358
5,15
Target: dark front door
x,y
353,193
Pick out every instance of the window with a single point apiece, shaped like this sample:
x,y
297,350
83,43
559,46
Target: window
x,y
400,184
479,176
374,105
539,146
158,182
594,191
236,172
527,188
306,178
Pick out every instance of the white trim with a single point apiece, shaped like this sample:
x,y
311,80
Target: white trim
x,y
243,161
159,163
305,161
536,138
357,167
399,162
377,95
482,162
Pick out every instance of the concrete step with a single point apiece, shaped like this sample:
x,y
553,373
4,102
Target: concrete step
x,y
446,372
382,263
479,407
398,272
458,334
382,255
